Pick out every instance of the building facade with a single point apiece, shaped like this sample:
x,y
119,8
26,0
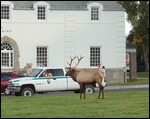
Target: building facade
x,y
47,33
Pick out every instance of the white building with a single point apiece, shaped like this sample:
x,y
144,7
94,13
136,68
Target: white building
x,y
49,32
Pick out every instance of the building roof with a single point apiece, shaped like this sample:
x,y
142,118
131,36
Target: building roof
x,y
130,46
69,5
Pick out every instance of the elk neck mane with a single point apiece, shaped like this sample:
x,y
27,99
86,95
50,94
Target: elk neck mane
x,y
74,74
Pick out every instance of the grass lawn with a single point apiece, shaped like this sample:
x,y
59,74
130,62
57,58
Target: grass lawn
x,y
135,82
141,74
129,104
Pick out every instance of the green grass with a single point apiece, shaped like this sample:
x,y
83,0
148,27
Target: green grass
x,y
141,74
129,104
135,82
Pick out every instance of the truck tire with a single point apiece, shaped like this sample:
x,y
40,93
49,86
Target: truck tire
x,y
7,91
89,89
27,92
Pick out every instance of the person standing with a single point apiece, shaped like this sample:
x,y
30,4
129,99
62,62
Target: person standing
x,y
104,72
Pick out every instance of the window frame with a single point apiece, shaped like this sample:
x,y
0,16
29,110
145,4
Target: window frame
x,y
2,14
95,56
95,15
42,57
10,55
41,17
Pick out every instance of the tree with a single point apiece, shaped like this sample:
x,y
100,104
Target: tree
x,y
138,16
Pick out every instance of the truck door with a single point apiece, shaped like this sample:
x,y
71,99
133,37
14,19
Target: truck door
x,y
45,84
61,82
60,79
55,82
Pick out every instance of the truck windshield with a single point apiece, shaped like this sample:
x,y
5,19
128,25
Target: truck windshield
x,y
36,73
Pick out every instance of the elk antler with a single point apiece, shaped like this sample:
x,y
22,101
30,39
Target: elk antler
x,y
79,59
71,60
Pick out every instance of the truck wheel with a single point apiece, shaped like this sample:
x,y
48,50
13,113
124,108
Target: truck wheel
x,y
7,91
27,92
89,89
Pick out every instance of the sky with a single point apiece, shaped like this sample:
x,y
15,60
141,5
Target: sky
x,y
128,27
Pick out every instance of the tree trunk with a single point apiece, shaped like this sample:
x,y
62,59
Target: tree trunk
x,y
146,60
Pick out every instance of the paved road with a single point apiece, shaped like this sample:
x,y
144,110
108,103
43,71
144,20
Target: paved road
x,y
126,88
107,89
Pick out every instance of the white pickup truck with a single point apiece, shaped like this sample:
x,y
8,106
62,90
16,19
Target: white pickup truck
x,y
36,83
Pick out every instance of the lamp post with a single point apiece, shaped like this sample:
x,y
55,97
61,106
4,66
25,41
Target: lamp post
x,y
124,74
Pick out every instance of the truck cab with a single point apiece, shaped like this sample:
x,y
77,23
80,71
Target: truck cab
x,y
36,82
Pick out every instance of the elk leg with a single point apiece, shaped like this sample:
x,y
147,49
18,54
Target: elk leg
x,y
99,92
102,92
81,90
84,90
99,83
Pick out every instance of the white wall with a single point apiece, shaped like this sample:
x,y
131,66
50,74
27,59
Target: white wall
x,y
68,33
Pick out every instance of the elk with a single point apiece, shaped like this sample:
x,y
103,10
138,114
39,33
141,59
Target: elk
x,y
84,77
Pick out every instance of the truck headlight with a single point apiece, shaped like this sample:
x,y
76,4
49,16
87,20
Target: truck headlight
x,y
16,84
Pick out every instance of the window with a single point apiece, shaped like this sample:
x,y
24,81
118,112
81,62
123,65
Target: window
x,y
94,13
94,56
6,76
5,12
56,72
41,12
6,55
41,56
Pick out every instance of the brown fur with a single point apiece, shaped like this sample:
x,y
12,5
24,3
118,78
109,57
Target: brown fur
x,y
83,77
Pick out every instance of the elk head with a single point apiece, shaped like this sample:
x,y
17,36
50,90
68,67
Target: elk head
x,y
71,69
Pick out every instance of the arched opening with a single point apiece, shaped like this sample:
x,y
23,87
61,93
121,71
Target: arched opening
x,y
9,54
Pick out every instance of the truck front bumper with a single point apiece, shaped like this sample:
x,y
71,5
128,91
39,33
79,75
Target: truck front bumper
x,y
14,89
